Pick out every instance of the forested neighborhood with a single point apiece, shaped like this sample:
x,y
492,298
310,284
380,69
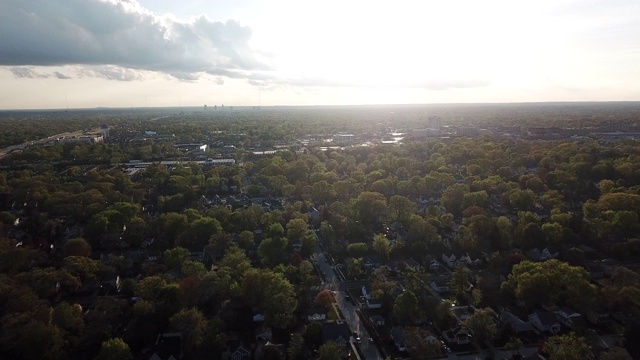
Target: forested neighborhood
x,y
510,231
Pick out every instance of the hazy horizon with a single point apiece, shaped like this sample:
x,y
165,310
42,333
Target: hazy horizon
x,y
159,53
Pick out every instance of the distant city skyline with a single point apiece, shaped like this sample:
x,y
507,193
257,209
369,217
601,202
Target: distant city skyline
x,y
159,53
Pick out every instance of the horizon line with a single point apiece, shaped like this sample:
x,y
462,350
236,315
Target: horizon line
x,y
67,109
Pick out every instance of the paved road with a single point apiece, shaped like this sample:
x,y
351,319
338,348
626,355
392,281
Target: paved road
x,y
369,350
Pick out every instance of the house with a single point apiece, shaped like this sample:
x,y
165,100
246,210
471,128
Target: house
x,y
542,255
515,323
236,350
393,266
473,259
449,259
168,347
458,336
377,320
370,300
413,265
550,253
372,262
534,255
596,271
337,332
598,316
434,265
440,285
544,321
397,334
462,313
569,318
317,313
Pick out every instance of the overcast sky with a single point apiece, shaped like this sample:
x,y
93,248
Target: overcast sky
x,y
128,53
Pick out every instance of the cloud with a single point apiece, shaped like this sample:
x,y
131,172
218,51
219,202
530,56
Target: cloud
x,y
121,37
61,76
27,72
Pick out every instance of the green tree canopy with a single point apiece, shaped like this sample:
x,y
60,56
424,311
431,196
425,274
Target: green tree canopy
x,y
114,349
550,282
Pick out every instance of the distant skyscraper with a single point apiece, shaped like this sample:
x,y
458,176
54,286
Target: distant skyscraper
x,y
105,131
435,122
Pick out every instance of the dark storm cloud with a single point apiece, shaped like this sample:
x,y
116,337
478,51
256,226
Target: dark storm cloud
x,y
122,35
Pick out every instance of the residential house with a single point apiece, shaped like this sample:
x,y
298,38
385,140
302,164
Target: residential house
x,y
550,253
542,255
462,313
470,259
598,316
168,346
397,334
458,336
413,265
515,323
449,259
378,320
337,332
236,350
544,321
371,301
372,262
317,313
434,265
440,285
569,318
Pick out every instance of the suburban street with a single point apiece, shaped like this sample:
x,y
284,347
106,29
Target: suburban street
x,y
332,282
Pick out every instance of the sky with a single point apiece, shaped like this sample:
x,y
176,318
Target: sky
x,y
139,53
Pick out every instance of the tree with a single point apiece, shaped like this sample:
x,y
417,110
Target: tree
x,y
192,324
77,247
175,258
83,267
514,344
459,283
296,347
482,325
368,207
550,282
354,266
246,239
324,298
296,229
200,232
271,294
26,338
614,353
522,199
453,197
271,250
309,242
401,208
553,233
568,347
421,344
114,349
330,351
68,317
406,309
357,250
381,245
